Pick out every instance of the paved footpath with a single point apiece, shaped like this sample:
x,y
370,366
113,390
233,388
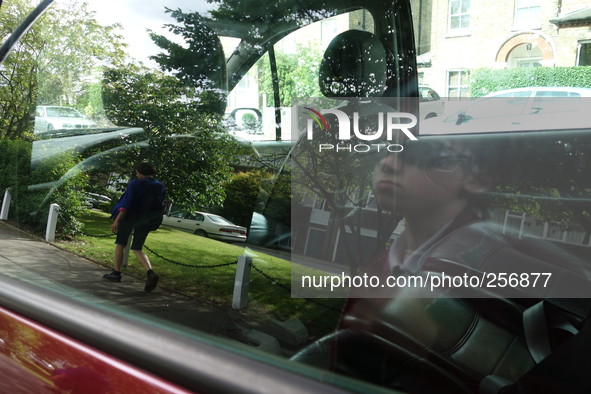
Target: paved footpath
x,y
29,258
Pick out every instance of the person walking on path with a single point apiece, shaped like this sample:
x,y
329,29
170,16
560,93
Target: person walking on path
x,y
140,210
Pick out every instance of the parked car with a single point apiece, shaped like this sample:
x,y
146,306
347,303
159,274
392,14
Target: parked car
x,y
97,200
430,104
521,109
206,225
49,118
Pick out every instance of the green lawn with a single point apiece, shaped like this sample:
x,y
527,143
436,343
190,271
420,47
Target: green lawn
x,y
213,284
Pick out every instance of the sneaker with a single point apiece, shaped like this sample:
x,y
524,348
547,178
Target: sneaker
x,y
113,277
151,283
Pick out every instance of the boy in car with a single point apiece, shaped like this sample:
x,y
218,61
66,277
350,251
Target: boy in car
x,y
419,339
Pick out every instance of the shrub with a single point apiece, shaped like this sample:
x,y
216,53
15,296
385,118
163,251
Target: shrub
x,y
31,206
486,80
15,163
242,192
67,190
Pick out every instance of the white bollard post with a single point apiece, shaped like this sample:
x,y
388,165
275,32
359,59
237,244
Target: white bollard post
x,y
241,284
52,222
126,251
5,205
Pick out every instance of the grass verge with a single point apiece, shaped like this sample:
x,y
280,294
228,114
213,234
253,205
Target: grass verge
x,y
212,284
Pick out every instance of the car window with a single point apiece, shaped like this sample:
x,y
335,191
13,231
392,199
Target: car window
x,y
521,93
494,107
217,219
427,94
57,112
299,123
557,93
560,104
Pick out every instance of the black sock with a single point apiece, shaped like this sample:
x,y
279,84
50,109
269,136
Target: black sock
x,y
117,272
150,272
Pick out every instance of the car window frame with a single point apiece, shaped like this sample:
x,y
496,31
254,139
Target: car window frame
x,y
101,328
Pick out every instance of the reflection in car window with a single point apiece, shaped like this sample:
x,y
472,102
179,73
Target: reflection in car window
x,y
186,97
240,107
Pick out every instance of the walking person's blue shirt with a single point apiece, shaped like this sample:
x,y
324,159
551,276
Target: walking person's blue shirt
x,y
135,194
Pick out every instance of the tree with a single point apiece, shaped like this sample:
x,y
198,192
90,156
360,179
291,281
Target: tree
x,y
18,76
51,61
192,153
548,178
291,14
297,72
242,192
201,66
73,45
90,103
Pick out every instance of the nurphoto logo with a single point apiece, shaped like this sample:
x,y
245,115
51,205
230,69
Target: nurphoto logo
x,y
387,122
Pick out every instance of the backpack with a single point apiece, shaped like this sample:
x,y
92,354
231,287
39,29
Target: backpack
x,y
149,214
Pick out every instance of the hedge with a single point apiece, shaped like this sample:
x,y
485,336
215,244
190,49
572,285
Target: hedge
x,y
31,206
487,80
15,163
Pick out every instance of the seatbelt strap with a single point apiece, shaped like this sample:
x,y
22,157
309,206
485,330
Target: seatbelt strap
x,y
535,326
536,321
566,370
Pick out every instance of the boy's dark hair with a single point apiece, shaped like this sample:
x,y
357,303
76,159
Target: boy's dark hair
x,y
146,168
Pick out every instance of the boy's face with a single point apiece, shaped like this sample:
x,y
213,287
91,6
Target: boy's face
x,y
432,180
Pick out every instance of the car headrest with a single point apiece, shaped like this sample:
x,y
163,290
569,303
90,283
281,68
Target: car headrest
x,y
354,65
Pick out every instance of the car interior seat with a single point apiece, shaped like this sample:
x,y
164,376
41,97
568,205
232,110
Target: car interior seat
x,y
478,343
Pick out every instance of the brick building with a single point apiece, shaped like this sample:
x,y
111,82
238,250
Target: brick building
x,y
456,36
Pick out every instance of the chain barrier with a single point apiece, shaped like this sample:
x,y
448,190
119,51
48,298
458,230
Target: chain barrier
x,y
151,251
208,266
189,265
313,301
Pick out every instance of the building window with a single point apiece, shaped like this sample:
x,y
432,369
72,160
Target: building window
x,y
459,14
527,13
458,84
320,203
529,62
584,54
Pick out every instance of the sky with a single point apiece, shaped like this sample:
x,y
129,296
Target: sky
x,y
138,15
